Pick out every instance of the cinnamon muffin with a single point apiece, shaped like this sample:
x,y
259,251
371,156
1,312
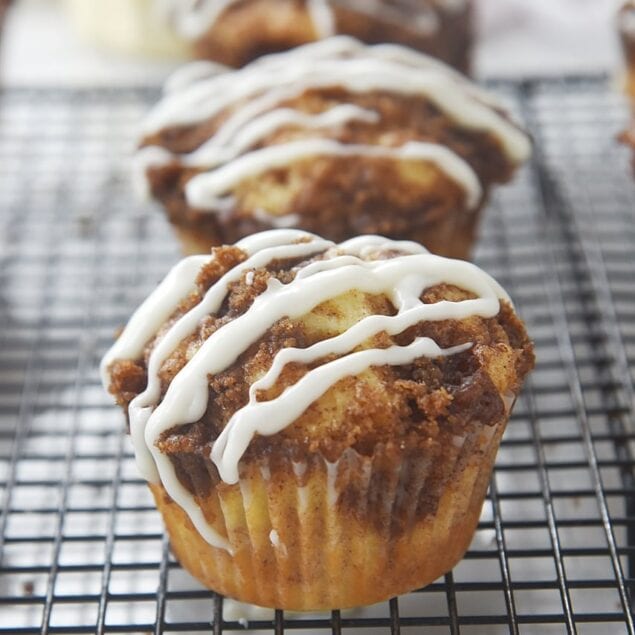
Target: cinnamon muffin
x,y
318,422
335,137
235,32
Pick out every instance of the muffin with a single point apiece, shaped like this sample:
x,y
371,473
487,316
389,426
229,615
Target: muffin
x,y
131,27
335,137
626,26
236,32
318,422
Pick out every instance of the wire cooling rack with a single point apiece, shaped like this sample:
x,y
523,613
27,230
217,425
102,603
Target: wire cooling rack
x,y
82,548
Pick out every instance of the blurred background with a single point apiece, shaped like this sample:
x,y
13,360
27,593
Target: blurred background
x,y
87,42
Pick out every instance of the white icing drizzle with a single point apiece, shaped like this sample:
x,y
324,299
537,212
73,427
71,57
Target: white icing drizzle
x,y
255,94
191,73
365,246
205,191
277,222
223,148
322,17
343,61
193,18
147,319
343,268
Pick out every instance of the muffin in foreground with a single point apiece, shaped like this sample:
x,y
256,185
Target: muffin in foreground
x,y
337,138
236,32
318,422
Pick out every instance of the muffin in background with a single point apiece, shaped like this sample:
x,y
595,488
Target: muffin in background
x,y
335,137
236,32
318,422
133,27
626,27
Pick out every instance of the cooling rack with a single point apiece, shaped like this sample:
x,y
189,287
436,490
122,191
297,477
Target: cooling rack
x,y
82,549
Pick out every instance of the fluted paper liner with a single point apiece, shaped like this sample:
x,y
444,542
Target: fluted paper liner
x,y
319,535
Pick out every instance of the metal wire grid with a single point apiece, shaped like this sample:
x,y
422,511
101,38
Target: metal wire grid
x,y
82,548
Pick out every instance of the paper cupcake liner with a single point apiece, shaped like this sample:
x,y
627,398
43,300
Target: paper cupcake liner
x,y
315,535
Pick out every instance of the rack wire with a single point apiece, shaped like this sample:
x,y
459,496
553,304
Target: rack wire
x,y
82,549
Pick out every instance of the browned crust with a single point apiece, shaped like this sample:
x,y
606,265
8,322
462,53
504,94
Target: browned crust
x,y
340,197
253,28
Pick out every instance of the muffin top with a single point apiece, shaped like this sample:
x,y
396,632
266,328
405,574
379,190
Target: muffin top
x,y
335,98
287,343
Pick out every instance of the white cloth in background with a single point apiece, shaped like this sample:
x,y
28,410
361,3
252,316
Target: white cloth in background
x,y
546,37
